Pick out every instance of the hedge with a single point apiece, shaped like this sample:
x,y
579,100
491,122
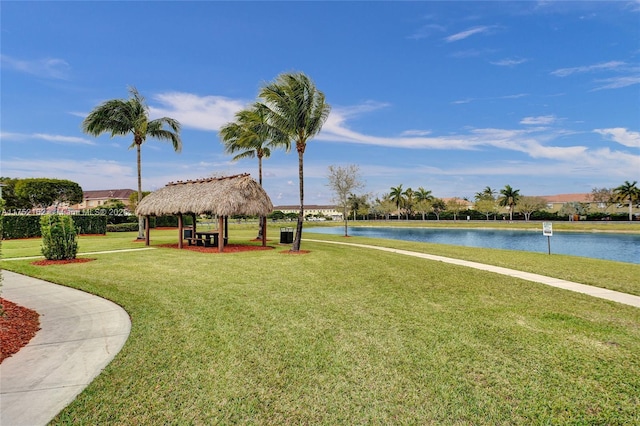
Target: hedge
x,y
90,224
122,227
28,226
154,222
170,221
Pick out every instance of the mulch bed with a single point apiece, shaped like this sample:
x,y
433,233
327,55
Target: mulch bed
x,y
18,325
229,248
46,262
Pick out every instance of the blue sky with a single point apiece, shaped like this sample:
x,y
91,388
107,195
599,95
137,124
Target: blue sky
x,y
449,96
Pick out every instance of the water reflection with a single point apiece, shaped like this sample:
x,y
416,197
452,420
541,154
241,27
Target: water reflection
x,y
620,247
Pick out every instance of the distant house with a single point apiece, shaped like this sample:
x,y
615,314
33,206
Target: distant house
x,y
465,204
93,199
555,202
313,210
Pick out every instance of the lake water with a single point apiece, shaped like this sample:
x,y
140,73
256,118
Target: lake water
x,y
620,247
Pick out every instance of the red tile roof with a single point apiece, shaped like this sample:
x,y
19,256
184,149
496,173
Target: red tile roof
x,y
568,198
105,194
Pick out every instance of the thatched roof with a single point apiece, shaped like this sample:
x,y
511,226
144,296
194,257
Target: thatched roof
x,y
224,196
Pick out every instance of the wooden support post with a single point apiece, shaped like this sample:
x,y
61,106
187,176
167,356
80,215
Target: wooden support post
x,y
146,230
264,230
180,230
221,234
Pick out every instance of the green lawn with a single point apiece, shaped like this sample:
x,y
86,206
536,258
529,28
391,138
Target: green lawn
x,y
345,335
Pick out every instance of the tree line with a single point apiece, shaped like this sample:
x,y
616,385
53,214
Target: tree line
x,y
408,202
38,193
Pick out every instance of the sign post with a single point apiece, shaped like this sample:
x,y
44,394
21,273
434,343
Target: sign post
x,y
547,231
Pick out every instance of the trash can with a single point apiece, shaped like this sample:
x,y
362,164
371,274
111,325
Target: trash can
x,y
188,233
286,235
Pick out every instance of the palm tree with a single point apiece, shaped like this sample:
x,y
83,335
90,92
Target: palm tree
x,y
408,200
628,192
486,194
248,136
297,111
424,198
509,198
397,196
123,116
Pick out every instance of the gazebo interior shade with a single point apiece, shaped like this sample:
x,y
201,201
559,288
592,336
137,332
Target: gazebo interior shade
x,y
223,196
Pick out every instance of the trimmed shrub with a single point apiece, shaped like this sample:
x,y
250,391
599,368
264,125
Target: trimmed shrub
x,y
122,227
59,237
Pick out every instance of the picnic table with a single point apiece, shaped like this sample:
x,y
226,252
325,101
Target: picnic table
x,y
204,238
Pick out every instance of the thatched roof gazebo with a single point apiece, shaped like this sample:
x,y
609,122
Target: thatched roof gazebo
x,y
223,196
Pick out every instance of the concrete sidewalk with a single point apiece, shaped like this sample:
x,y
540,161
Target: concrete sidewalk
x,y
80,334
602,293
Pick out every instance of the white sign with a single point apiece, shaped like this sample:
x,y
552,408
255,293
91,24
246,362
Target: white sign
x,y
547,229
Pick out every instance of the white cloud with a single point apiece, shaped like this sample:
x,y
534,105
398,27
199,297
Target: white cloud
x,y
416,133
516,96
48,67
335,130
528,141
63,139
629,75
359,109
471,53
46,137
467,33
90,174
426,31
198,112
622,136
463,101
469,100
611,65
617,82
103,174
540,120
509,62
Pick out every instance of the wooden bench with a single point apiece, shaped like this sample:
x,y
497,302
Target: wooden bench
x,y
193,241
204,239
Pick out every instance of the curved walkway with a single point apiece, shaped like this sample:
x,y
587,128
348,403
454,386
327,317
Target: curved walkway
x,y
603,293
79,335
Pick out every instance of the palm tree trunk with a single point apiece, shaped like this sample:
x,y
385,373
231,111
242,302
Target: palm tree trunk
x,y
140,218
298,237
262,218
